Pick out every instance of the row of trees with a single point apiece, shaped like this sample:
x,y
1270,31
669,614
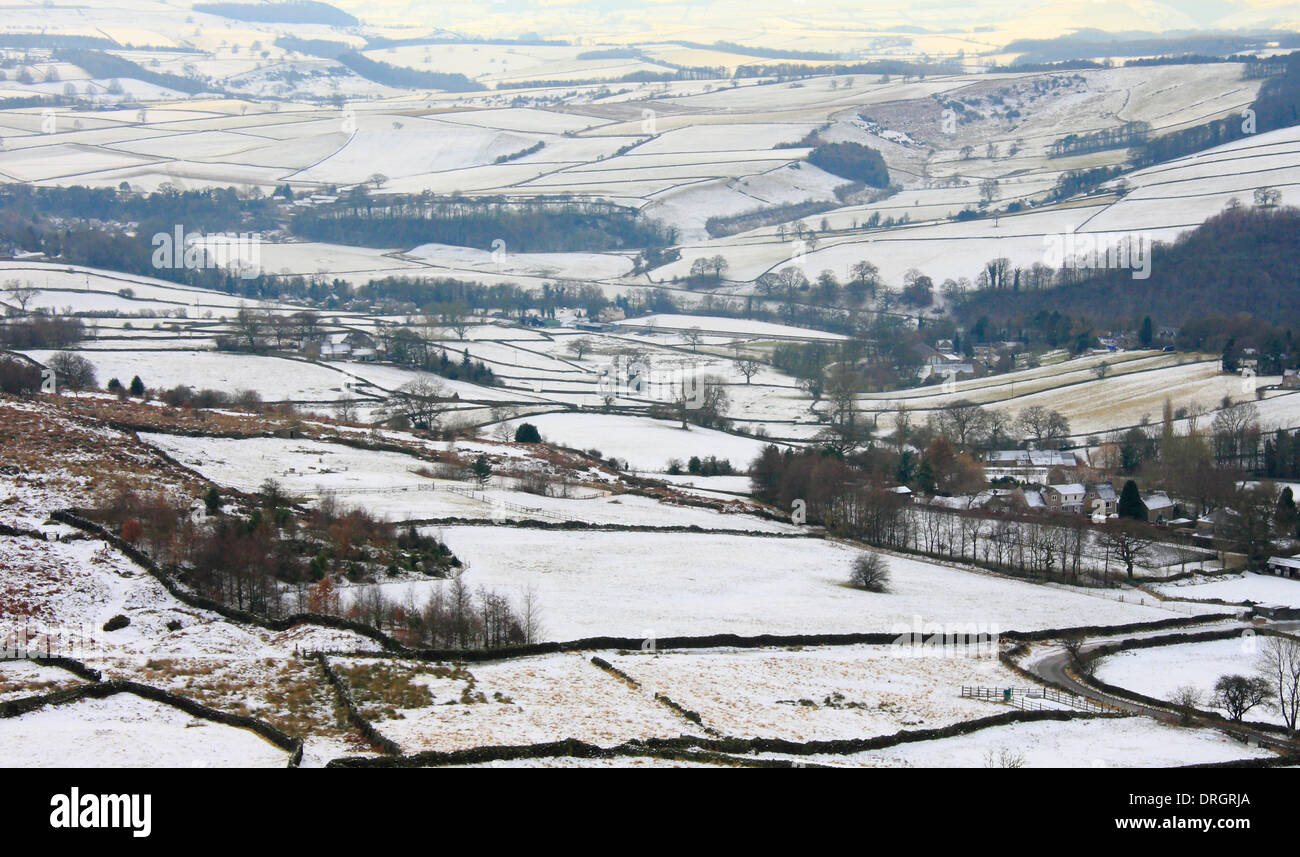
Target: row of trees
x,y
538,226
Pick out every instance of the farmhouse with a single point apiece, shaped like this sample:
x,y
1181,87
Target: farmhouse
x,y
1067,497
1028,465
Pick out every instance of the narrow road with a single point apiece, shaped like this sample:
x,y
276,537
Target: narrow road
x,y
1051,667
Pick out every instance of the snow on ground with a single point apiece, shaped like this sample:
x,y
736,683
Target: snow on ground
x,y
654,584
1126,742
70,590
1157,672
20,677
274,378
646,444
587,266
299,465
123,731
526,701
383,483
818,693
721,324
1236,588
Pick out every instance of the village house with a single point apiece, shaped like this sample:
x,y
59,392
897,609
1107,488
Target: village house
x,y
1066,497
345,346
1028,465
1101,499
1159,507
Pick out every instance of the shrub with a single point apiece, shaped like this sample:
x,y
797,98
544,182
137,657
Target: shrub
x,y
117,623
18,377
870,572
527,433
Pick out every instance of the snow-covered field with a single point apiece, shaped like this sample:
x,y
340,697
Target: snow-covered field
x,y
1157,672
650,584
1129,742
818,693
1236,588
126,731
274,378
530,700
646,444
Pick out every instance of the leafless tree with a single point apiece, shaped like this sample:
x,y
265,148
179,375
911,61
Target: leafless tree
x,y
870,572
692,337
962,422
1185,698
1043,425
1279,664
530,616
1128,541
580,346
1237,694
422,402
748,368
73,371
21,293
345,409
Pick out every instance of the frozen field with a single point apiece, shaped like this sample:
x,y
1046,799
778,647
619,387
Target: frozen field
x,y
646,444
1157,672
649,584
1259,588
72,589
126,731
528,701
818,693
1128,742
274,378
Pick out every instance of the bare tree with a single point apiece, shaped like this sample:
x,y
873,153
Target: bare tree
x,y
748,368
21,293
1128,541
251,326
345,409
1267,197
1043,425
1185,698
1279,664
580,346
1237,694
530,616
962,422
692,337
870,572
73,371
422,402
